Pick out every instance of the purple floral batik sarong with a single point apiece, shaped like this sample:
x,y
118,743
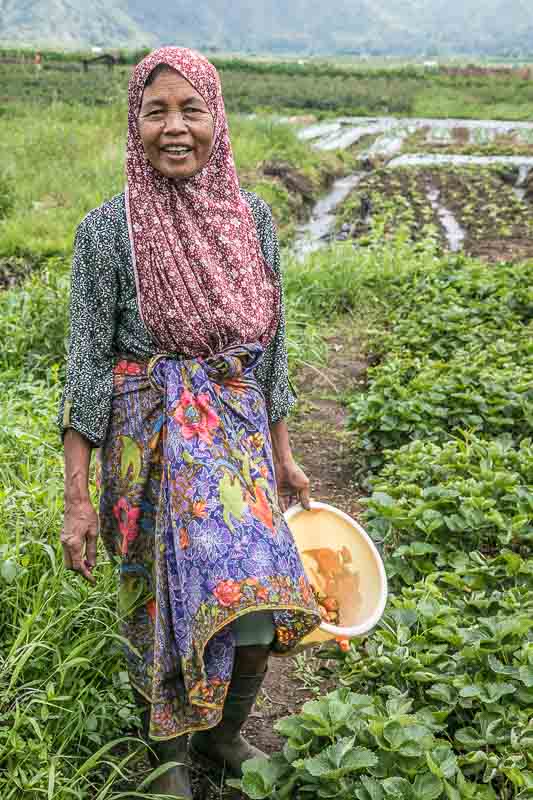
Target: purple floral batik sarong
x,y
189,506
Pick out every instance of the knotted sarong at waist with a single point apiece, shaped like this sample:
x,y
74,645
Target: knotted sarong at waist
x,y
189,507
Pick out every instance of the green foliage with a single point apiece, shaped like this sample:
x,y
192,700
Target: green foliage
x,y
481,199
464,494
6,196
351,745
458,646
411,398
477,307
323,87
64,699
447,677
80,152
33,323
467,367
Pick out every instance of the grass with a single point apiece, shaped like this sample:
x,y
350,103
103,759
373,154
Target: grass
x,y
65,160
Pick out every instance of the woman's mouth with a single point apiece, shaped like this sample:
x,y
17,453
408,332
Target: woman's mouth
x,y
176,152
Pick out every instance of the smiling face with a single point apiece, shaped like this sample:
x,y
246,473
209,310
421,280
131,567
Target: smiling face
x,y
175,125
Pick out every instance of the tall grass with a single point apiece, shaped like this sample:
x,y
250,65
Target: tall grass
x,y
65,160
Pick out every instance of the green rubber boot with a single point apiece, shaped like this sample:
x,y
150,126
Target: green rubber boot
x,y
175,781
223,747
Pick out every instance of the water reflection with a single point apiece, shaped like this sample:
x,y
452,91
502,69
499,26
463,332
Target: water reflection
x,y
455,235
390,133
313,234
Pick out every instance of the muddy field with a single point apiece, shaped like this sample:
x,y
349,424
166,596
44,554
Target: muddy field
x,y
474,209
466,185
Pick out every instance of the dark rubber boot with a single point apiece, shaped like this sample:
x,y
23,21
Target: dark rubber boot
x,y
223,746
175,781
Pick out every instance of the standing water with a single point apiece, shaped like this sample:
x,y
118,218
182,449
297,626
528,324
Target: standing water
x,y
520,186
454,233
311,235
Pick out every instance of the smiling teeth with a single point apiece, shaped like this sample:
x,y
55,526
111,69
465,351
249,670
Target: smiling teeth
x,y
176,149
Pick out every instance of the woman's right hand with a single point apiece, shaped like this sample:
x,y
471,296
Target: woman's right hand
x,y
80,528
79,538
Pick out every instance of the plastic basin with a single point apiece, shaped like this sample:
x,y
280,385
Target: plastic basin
x,y
340,557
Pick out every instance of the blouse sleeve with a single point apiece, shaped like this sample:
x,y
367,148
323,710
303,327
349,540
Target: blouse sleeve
x,y
86,401
272,372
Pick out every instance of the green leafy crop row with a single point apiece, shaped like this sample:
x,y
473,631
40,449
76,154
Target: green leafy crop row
x,y
464,494
461,359
438,701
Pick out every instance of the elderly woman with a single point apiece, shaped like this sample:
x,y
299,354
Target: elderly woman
x,y
177,370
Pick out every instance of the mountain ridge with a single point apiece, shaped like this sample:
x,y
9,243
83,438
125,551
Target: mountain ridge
x,y
395,27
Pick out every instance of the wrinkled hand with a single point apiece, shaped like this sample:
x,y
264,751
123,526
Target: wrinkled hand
x,y
293,485
79,538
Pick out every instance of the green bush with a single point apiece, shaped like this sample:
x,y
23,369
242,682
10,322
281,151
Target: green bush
x,y
437,703
431,501
348,745
460,359
458,646
460,305
423,399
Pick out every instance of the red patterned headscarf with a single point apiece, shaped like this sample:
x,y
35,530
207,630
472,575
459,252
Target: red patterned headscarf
x,y
202,281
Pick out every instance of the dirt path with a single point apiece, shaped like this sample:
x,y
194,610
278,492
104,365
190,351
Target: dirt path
x,y
320,443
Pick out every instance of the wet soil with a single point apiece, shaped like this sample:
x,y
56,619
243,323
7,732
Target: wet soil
x,y
321,444
497,225
401,194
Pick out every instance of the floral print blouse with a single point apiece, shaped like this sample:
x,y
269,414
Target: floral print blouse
x,y
105,323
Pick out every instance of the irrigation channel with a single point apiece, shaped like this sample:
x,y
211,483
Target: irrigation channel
x,y
389,137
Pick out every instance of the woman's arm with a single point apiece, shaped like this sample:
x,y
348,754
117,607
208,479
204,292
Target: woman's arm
x,y
80,528
292,482
86,402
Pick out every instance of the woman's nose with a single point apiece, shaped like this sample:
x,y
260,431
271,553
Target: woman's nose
x,y
174,122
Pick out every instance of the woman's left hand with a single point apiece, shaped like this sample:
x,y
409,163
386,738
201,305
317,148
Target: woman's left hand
x,y
293,485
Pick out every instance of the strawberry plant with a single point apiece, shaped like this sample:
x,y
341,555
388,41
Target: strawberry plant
x,y
431,500
420,398
461,359
351,745
438,701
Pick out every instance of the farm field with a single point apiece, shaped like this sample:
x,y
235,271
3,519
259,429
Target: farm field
x,y
437,702
414,366
469,186
492,221
324,89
